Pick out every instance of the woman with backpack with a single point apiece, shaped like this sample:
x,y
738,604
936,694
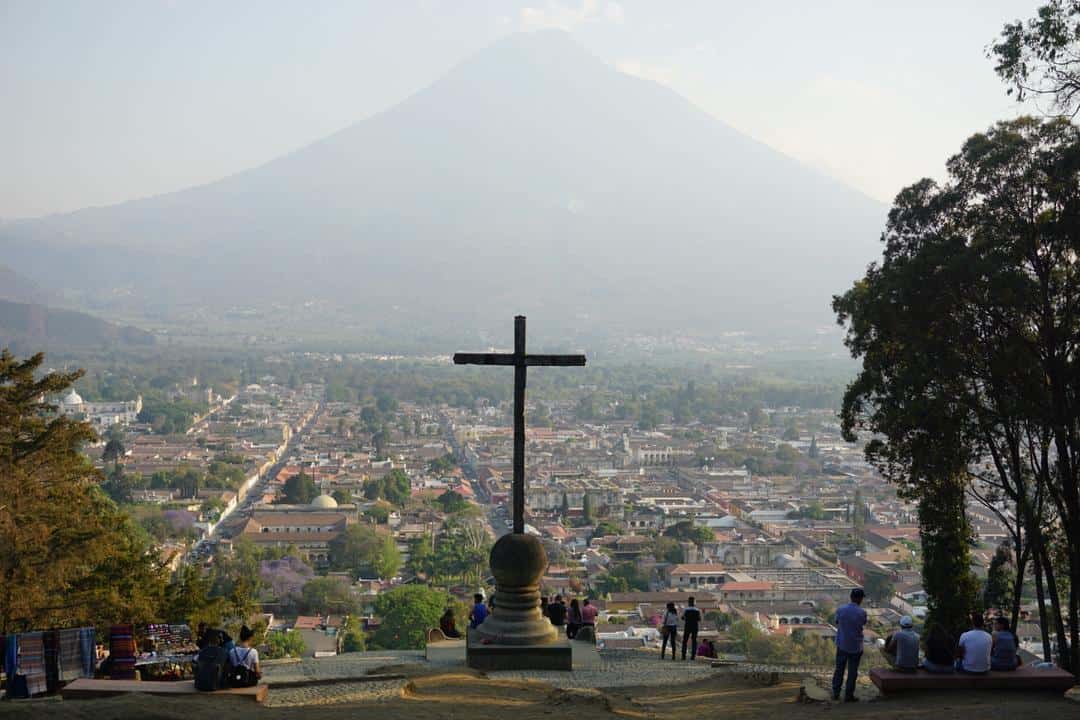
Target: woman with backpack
x,y
242,664
669,630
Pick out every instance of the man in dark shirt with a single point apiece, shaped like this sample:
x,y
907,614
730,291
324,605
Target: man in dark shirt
x,y
691,618
557,612
850,621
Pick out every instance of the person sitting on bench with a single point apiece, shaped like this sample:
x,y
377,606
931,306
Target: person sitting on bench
x,y
1003,648
902,648
448,625
974,648
939,651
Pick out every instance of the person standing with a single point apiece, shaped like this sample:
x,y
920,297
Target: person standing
x,y
691,618
850,621
588,614
556,612
479,611
974,648
574,619
669,630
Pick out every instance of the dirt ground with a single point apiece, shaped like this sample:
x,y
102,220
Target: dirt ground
x,y
472,697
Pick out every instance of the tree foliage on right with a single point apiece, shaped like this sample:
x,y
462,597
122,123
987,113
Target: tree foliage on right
x,y
968,333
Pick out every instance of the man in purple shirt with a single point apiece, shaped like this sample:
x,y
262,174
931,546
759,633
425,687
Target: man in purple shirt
x,y
850,621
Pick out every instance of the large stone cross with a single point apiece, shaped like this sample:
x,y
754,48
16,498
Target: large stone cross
x,y
520,360
518,561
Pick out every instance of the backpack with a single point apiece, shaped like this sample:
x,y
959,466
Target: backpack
x,y
210,668
239,676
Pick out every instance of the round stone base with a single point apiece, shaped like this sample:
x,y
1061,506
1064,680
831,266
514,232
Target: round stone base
x,y
517,562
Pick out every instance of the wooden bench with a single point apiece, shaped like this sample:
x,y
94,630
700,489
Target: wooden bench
x,y
84,688
1026,677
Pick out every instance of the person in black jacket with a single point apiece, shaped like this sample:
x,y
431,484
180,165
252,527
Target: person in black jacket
x,y
691,619
556,612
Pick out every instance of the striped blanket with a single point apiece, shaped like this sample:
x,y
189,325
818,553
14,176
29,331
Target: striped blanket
x,y
122,652
70,661
32,662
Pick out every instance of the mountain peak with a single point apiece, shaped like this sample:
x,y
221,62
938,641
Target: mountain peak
x,y
532,175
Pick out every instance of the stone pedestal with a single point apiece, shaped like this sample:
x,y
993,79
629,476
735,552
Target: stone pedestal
x,y
515,636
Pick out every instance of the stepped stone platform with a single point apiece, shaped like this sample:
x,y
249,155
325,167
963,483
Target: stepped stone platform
x,y
1027,678
551,656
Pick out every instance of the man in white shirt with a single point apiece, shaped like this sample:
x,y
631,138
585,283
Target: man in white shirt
x,y
975,647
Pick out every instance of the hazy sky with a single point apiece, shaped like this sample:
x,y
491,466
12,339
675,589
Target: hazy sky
x,y
106,101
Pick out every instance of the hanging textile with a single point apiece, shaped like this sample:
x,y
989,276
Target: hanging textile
x,y
16,688
122,652
32,662
50,640
88,651
70,664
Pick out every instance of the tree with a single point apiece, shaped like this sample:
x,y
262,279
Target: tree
x,y
397,489
452,501
114,450
1041,57
342,496
879,587
394,487
605,528
325,595
363,549
587,508
285,644
68,556
791,432
353,638
406,613
564,509
813,451
442,465
623,577
668,550
998,588
967,333
300,489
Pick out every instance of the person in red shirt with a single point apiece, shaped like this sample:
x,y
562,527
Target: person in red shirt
x,y
588,614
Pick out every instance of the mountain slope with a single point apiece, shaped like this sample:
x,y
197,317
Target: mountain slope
x,y
27,328
16,288
531,178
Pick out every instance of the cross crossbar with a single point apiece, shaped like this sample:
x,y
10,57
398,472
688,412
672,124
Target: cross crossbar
x,y
512,359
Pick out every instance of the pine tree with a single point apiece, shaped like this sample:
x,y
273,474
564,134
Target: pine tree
x,y
587,508
67,554
999,579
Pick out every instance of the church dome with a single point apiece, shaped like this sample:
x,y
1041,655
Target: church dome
x,y
72,399
324,502
784,560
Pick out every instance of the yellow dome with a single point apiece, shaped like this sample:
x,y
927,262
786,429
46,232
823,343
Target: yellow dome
x,y
324,502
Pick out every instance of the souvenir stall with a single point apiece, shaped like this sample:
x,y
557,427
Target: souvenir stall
x,y
168,653
37,663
